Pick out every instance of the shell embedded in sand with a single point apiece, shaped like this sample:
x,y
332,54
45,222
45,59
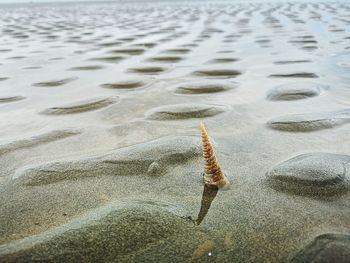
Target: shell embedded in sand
x,y
212,171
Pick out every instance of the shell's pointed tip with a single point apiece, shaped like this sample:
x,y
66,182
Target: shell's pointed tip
x,y
202,126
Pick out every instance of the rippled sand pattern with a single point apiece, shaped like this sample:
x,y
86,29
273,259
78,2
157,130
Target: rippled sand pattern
x,y
100,154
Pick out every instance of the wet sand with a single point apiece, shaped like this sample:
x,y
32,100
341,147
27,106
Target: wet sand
x,y
100,149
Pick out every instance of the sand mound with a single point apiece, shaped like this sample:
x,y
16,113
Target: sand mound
x,y
118,232
11,99
54,83
310,121
295,91
217,73
81,106
185,111
312,174
150,158
201,88
37,140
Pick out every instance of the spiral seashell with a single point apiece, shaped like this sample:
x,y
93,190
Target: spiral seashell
x,y
212,171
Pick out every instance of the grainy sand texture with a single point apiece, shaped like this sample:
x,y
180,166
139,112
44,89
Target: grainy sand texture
x,y
100,147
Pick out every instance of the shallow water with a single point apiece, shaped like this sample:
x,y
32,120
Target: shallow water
x,y
100,106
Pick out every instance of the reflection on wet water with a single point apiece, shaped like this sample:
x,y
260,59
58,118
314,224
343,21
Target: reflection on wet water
x,y
208,196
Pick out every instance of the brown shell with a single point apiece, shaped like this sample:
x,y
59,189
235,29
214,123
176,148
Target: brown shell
x,y
212,171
